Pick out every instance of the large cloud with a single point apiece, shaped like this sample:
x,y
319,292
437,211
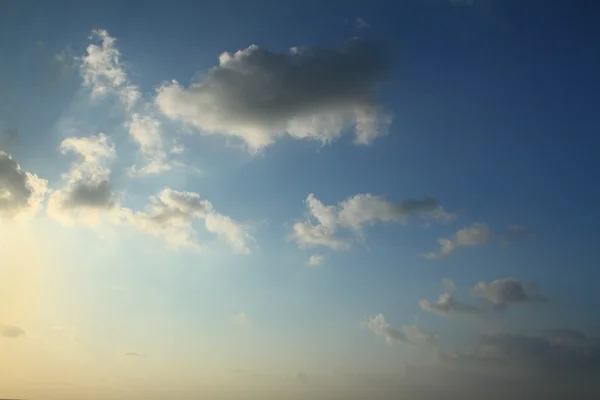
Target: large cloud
x,y
21,193
357,212
257,95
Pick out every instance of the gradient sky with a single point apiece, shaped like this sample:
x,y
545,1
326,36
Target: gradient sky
x,y
318,200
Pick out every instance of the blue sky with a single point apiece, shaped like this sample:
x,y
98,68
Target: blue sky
x,y
155,194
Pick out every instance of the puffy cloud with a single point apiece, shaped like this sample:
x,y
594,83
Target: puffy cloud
x,y
21,193
102,71
87,196
228,229
146,131
11,331
474,235
308,93
407,334
446,305
356,212
315,260
508,291
170,216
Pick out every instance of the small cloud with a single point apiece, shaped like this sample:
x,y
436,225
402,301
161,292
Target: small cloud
x,y
134,354
302,377
470,236
508,291
448,284
517,232
240,319
407,334
360,23
11,331
446,305
315,260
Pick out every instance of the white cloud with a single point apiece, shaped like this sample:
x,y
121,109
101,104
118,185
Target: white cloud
x,y
355,213
257,95
474,235
240,319
21,193
315,260
104,73
407,334
308,235
508,291
145,130
228,229
170,215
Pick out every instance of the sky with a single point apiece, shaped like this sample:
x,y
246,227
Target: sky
x,y
301,200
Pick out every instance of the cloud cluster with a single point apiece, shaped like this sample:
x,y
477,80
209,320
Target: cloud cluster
x,y
21,193
355,214
308,93
315,260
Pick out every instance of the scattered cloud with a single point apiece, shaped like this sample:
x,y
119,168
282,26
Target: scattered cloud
x,y
537,353
446,305
308,235
357,212
21,193
315,260
240,319
302,377
87,196
104,73
360,23
257,95
170,215
508,291
474,235
134,354
518,232
11,331
407,334
448,284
